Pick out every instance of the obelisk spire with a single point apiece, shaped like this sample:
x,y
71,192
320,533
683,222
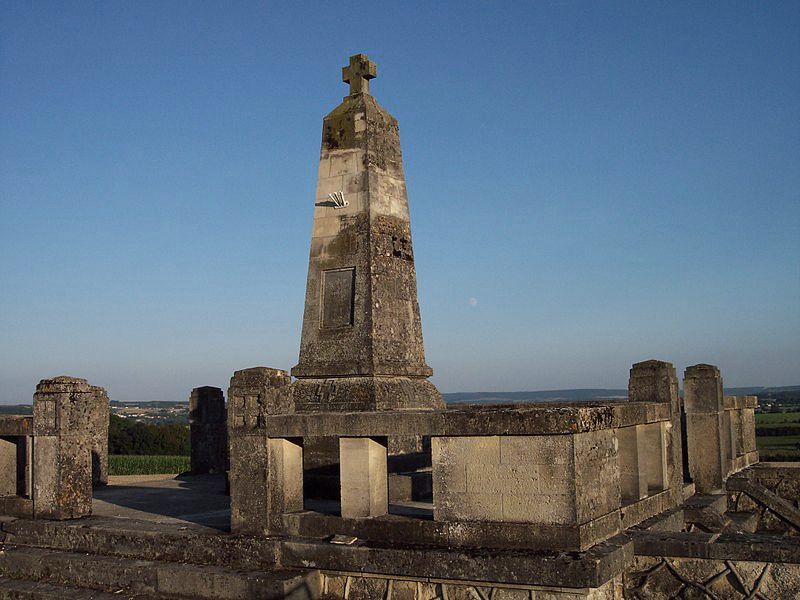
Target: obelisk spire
x,y
361,346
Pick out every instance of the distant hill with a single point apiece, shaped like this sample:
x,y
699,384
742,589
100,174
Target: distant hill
x,y
573,395
586,395
583,395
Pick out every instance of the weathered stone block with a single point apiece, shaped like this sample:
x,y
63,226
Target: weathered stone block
x,y
540,450
367,588
99,426
63,423
8,468
708,436
553,508
248,484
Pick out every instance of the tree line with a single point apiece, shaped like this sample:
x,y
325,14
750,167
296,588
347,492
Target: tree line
x,y
132,437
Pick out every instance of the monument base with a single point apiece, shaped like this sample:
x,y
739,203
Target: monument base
x,y
344,394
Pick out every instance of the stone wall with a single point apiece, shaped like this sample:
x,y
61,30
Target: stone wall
x,y
559,479
356,586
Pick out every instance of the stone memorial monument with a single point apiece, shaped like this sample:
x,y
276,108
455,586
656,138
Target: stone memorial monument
x,y
361,346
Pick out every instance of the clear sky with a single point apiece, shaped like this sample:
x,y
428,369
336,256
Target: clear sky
x,y
591,184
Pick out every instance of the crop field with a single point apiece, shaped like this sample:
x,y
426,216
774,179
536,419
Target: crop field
x,y
783,447
772,419
131,464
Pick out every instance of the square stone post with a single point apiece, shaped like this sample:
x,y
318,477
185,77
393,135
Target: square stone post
x,y
706,432
208,431
253,394
62,454
655,381
749,429
363,480
99,423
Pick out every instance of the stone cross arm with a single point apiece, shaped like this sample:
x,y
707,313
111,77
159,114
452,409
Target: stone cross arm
x,y
358,74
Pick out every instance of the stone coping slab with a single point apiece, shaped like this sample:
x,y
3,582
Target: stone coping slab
x,y
16,425
740,402
456,534
589,569
144,540
546,419
725,546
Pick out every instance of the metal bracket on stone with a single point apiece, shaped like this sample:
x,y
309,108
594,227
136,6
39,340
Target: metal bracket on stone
x,y
338,199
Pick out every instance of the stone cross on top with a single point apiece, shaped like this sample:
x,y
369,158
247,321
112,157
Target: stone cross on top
x,y
358,74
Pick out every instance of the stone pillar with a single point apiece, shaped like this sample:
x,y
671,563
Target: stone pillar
x,y
655,381
254,393
285,479
749,429
364,480
62,455
706,436
99,422
655,457
208,431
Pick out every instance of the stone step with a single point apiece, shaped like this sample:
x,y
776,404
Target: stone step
x,y
18,589
153,578
411,486
707,511
128,538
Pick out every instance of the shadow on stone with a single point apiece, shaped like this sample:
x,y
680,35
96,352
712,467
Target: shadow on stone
x,y
199,499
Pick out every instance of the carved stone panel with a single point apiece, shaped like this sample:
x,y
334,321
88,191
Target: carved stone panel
x,y
338,292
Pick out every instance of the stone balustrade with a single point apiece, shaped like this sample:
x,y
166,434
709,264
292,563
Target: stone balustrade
x,y
550,473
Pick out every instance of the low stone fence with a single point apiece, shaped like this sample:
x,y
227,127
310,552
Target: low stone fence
x,y
548,476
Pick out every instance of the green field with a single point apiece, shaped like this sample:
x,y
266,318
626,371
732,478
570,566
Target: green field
x,y
130,464
768,419
779,447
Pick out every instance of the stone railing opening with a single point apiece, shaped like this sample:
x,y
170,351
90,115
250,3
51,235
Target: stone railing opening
x,y
16,461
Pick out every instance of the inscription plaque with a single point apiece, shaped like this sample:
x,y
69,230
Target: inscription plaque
x,y
338,291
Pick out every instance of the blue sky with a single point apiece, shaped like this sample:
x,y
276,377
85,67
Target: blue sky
x,y
591,184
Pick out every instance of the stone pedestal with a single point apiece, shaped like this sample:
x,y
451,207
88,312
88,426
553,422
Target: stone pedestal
x,y
706,436
62,458
364,483
208,431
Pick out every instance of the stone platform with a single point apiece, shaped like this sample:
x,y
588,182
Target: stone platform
x,y
196,499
